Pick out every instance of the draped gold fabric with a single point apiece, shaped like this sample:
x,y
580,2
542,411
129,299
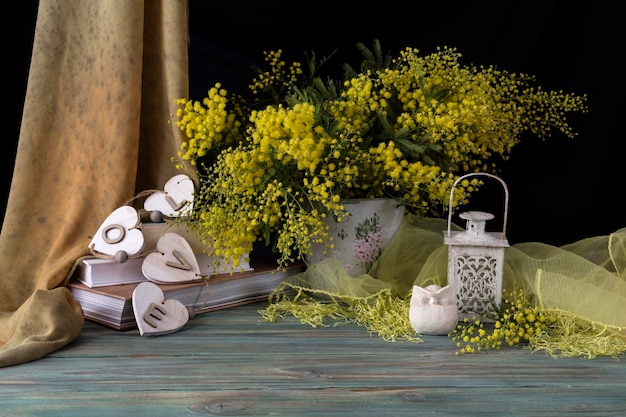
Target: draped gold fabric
x,y
102,83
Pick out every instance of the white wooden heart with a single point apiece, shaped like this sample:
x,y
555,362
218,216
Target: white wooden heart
x,y
173,261
119,232
154,314
176,200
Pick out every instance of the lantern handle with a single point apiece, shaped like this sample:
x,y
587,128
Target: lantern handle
x,y
506,198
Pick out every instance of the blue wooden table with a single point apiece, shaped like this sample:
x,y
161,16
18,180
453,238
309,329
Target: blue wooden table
x,y
231,363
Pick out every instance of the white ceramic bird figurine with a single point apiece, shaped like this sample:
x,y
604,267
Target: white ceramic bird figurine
x,y
433,310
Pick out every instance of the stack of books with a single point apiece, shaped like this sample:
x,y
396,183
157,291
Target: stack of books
x,y
111,304
104,288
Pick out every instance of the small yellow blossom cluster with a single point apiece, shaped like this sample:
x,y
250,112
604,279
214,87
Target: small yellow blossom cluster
x,y
277,81
207,128
403,127
519,322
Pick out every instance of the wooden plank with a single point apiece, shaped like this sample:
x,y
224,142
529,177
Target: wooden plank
x,y
446,401
229,363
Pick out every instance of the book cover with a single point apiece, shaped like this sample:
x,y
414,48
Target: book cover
x,y
103,272
112,305
96,272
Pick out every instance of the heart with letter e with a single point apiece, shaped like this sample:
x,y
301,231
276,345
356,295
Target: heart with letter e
x,y
154,314
172,262
119,233
175,200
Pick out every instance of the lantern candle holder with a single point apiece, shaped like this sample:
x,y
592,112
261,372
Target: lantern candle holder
x,y
476,258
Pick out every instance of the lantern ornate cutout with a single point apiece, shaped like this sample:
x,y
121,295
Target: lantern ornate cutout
x,y
476,258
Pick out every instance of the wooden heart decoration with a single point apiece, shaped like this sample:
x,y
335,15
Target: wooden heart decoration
x,y
173,261
176,199
119,232
154,314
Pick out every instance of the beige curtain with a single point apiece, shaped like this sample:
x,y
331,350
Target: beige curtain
x,y
95,131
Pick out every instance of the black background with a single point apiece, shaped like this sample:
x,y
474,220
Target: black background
x,y
561,190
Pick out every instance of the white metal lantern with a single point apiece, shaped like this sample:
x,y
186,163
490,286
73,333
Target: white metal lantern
x,y
476,258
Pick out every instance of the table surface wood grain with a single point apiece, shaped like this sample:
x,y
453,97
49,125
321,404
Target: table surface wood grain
x,y
230,362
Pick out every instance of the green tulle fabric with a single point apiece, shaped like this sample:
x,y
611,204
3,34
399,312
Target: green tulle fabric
x,y
583,284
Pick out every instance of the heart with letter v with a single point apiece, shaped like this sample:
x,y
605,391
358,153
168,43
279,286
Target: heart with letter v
x,y
119,232
154,314
173,261
175,200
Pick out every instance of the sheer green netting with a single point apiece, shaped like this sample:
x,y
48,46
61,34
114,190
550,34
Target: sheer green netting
x,y
583,284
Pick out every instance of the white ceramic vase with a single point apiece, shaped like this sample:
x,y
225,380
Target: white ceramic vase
x,y
359,238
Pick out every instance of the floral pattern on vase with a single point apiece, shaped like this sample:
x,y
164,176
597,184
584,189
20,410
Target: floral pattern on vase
x,y
360,238
369,240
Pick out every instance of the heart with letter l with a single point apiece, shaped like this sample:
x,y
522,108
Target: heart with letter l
x,y
154,314
175,200
173,261
119,232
